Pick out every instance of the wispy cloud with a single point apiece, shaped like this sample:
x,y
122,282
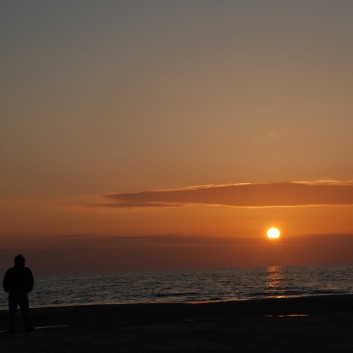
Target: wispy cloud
x,y
158,240
284,194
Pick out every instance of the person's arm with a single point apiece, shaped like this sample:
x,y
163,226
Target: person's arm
x,y
6,282
30,280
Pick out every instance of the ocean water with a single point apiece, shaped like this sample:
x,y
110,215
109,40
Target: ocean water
x,y
189,286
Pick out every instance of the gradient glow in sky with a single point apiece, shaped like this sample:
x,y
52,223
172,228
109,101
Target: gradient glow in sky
x,y
107,103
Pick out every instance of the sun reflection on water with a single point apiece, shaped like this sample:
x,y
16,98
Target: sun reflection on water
x,y
274,281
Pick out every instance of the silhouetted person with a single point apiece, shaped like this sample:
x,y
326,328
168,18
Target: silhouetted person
x,y
18,282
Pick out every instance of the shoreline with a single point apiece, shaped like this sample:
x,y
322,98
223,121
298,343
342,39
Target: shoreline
x,y
316,300
305,324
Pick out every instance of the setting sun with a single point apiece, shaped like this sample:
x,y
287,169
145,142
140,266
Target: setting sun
x,y
273,233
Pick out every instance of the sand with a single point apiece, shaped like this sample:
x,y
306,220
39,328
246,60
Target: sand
x,y
315,324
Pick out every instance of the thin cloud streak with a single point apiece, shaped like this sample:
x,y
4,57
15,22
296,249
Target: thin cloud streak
x,y
284,194
166,240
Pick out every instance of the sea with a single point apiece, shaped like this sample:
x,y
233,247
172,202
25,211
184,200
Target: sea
x,y
192,286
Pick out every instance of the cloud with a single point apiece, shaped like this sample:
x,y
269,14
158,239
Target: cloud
x,y
102,253
284,194
157,240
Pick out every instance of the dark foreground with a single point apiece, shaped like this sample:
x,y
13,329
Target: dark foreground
x,y
316,324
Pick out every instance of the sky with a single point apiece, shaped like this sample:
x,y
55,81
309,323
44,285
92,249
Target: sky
x,y
159,134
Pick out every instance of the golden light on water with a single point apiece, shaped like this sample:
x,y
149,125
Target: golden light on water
x,y
273,233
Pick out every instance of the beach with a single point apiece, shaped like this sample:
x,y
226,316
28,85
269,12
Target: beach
x,y
308,324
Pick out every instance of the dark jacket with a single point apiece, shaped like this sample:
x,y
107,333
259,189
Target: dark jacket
x,y
18,279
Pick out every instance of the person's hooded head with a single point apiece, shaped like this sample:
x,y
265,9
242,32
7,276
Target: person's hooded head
x,y
19,261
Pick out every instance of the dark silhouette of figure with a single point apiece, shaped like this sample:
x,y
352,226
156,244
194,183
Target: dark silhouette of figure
x,y
18,282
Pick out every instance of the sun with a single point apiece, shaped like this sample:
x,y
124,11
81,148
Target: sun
x,y
273,233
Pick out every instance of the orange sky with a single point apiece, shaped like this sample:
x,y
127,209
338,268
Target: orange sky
x,y
89,236
155,135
